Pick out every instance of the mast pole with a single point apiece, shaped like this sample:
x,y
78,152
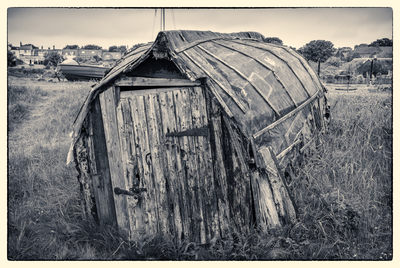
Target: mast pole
x,y
163,19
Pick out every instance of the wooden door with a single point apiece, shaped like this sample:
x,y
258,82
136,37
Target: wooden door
x,y
166,163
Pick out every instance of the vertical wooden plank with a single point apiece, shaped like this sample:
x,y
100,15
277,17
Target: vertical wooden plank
x,y
197,108
183,105
266,213
234,189
84,178
282,199
153,121
170,147
130,166
242,181
101,179
140,215
180,101
220,179
107,103
149,201
216,170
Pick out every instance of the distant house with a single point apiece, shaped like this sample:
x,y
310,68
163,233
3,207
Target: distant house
x,y
111,56
367,52
27,49
26,53
89,53
38,56
66,52
31,54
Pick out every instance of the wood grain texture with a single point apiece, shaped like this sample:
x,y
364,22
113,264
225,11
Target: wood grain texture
x,y
282,199
287,116
82,158
139,115
130,166
174,199
266,212
101,177
259,90
245,51
220,174
206,68
297,71
179,167
242,177
108,110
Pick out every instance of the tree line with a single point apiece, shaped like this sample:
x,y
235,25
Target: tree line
x,y
96,47
321,50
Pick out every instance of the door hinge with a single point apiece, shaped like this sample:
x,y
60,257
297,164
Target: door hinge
x,y
202,131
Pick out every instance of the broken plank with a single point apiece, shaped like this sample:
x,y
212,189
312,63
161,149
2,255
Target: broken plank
x,y
286,116
282,199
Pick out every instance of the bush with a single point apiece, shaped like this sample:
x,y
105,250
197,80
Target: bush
x,y
53,59
334,61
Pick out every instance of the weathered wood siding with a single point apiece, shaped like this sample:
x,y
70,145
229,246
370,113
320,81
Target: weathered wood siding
x,y
164,141
108,100
99,167
189,136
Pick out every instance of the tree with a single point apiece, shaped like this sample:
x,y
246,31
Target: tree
x,y
117,49
383,42
273,40
360,45
91,47
52,59
378,67
318,51
11,59
122,48
113,48
71,47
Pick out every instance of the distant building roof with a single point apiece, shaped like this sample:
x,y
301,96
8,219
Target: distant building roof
x,y
367,50
27,47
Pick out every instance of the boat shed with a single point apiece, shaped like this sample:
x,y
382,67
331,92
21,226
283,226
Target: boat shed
x,y
189,136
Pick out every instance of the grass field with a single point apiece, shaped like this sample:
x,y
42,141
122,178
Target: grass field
x,y
343,190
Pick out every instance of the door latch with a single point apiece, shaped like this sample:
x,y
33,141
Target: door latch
x,y
134,191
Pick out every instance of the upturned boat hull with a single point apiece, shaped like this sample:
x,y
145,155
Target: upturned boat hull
x,y
82,72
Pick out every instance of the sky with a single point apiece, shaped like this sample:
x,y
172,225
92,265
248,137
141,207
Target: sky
x,y
111,26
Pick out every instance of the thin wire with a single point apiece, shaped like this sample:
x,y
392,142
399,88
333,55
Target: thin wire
x,y
154,22
161,20
173,19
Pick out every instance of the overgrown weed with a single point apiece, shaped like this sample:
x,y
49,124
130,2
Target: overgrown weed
x,y
342,190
